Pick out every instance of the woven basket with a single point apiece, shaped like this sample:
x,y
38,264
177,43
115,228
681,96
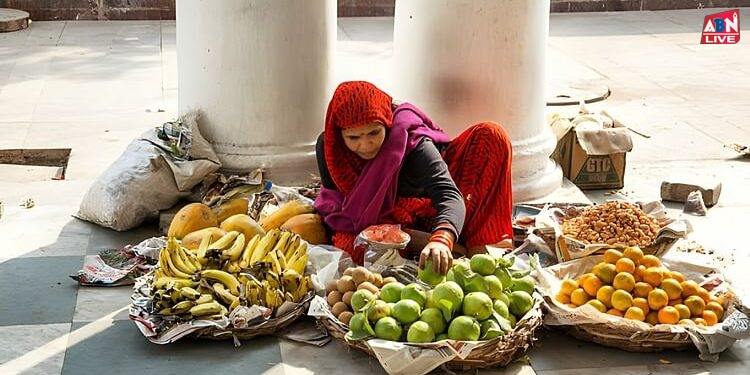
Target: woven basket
x,y
499,351
268,327
629,339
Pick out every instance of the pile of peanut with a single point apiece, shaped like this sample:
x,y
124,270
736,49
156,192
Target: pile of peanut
x,y
613,223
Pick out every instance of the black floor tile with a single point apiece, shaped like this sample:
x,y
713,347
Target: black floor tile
x,y
38,290
123,350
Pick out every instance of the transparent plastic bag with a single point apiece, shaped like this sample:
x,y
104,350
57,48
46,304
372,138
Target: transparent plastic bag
x,y
381,245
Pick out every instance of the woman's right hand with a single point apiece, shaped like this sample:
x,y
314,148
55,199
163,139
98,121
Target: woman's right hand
x,y
441,255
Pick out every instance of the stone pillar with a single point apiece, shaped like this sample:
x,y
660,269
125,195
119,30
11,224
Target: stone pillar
x,y
465,61
261,72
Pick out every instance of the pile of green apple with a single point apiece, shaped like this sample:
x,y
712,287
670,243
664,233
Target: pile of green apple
x,y
478,299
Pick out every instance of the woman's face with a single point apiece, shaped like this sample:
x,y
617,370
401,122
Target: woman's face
x,y
365,140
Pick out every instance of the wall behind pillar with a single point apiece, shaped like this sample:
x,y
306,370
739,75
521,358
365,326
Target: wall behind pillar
x,y
103,10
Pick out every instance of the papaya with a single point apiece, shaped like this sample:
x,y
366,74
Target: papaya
x,y
244,224
308,226
231,207
284,213
192,240
191,218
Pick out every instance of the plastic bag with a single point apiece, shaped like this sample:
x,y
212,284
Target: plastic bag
x,y
381,244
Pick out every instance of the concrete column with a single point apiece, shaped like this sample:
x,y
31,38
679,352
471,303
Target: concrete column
x,y
466,61
260,70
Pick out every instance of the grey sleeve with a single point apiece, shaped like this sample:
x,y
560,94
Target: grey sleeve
x,y
424,167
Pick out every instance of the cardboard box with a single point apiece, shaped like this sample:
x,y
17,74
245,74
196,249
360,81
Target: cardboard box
x,y
591,149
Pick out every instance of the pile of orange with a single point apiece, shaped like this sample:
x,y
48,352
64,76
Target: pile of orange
x,y
635,286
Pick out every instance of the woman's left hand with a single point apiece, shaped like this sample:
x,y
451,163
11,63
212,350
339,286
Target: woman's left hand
x,y
441,255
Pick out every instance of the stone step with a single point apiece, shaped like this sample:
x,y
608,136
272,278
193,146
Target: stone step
x,y
13,20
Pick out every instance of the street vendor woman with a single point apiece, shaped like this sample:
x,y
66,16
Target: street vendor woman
x,y
385,163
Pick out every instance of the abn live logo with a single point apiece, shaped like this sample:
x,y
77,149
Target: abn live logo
x,y
721,28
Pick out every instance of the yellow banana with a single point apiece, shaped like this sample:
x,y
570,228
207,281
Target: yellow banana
x,y
179,282
234,252
224,294
182,307
299,264
271,299
178,261
283,241
291,247
171,268
274,260
290,280
225,241
204,298
232,267
289,297
248,252
189,257
272,278
264,246
231,282
234,304
190,293
165,311
208,308
200,253
163,264
298,252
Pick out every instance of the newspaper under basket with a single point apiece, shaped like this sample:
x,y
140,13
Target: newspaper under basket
x,y
499,351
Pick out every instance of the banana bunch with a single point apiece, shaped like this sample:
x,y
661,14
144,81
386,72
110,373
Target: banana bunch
x,y
274,289
214,279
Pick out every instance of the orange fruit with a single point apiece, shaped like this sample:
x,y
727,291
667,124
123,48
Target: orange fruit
x,y
669,315
562,298
635,313
624,281
578,297
642,304
621,300
604,295
716,308
625,265
597,305
650,261
703,293
689,288
710,317
657,299
652,317
572,306
591,285
634,253
638,274
700,322
653,275
568,286
672,287
612,255
641,289
683,310
615,312
605,272
677,276
583,277
696,304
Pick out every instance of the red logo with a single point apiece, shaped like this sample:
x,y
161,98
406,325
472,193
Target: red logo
x,y
721,28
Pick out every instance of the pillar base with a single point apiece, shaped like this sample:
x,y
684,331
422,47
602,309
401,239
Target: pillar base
x,y
534,173
288,166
